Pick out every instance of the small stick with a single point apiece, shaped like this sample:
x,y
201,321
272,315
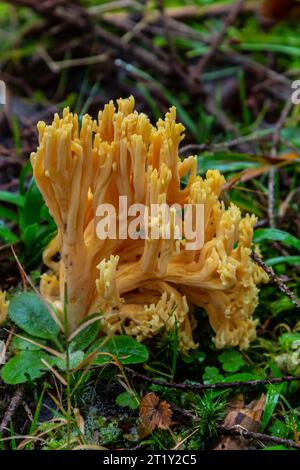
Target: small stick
x,y
201,65
276,280
216,386
58,66
183,412
14,403
239,431
257,136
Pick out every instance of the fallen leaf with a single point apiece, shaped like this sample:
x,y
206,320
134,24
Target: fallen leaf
x,y
154,414
279,9
248,417
79,420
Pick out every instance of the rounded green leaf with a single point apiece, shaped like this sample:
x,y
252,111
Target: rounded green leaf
x,y
125,348
212,375
28,311
75,358
86,336
231,360
126,399
21,344
26,365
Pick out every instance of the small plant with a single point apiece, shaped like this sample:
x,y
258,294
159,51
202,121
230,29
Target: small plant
x,y
41,345
109,433
35,225
210,411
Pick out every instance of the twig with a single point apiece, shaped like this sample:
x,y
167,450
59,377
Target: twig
x,y
28,410
72,13
255,137
276,280
98,10
257,67
10,337
201,65
187,11
14,403
184,31
139,53
183,412
281,122
216,386
290,146
239,431
57,67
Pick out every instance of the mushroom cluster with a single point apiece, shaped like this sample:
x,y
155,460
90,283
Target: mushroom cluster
x,y
142,286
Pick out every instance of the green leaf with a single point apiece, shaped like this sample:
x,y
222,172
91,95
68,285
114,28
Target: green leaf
x,y
36,238
231,360
277,448
12,198
37,227
29,234
125,399
31,211
223,165
286,340
125,348
242,377
75,358
198,356
282,304
272,398
187,359
212,375
28,311
26,365
20,344
7,235
86,336
291,260
245,202
274,234
280,429
27,168
7,214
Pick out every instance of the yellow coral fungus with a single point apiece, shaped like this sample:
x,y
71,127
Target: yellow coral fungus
x,y
141,285
3,307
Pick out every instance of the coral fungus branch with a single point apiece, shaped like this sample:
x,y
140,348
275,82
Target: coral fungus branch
x,y
142,285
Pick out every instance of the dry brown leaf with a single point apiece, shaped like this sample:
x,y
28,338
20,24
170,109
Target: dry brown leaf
x,y
246,175
280,9
79,420
248,417
154,414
